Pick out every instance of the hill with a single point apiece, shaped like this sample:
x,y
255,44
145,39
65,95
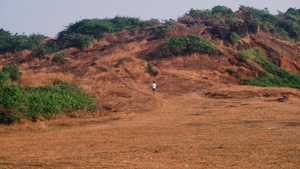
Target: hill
x,y
227,93
217,46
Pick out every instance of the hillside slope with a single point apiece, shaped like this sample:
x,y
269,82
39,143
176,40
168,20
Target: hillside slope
x,y
201,115
112,67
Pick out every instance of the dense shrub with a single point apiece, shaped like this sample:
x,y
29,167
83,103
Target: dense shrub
x,y
81,33
38,51
77,40
51,47
288,26
16,43
60,57
96,27
293,11
151,22
13,70
221,9
218,14
252,12
201,14
190,44
17,102
4,79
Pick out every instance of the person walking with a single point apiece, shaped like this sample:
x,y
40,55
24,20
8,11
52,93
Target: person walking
x,y
153,86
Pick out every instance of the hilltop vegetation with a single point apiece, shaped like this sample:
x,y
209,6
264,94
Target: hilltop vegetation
x,y
81,33
250,46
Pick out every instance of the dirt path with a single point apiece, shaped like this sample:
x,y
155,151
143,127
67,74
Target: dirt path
x,y
185,130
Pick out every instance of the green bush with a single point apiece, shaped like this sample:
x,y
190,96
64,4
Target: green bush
x,y
190,44
96,27
13,70
293,11
51,47
17,102
10,104
77,40
4,79
150,67
229,70
201,14
16,43
221,9
175,45
234,38
38,51
288,27
151,22
60,56
122,61
50,100
72,87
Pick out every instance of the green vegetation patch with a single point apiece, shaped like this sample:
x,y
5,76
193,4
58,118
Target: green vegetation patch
x,y
13,70
59,57
189,44
234,38
284,24
275,76
17,102
80,34
16,43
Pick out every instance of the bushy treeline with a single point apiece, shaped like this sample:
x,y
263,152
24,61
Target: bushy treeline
x,y
274,75
16,43
81,33
189,44
284,24
17,102
96,27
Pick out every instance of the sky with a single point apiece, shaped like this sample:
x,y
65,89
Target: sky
x,y
48,17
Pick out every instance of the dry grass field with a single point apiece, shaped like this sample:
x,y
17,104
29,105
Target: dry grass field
x,y
212,126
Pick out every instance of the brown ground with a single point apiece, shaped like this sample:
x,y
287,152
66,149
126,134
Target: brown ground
x,y
209,126
199,117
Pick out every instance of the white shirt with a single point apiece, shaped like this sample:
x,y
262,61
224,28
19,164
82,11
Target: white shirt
x,y
153,85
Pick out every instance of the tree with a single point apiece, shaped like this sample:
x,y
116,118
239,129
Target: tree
x,y
4,79
221,9
13,70
293,11
77,40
